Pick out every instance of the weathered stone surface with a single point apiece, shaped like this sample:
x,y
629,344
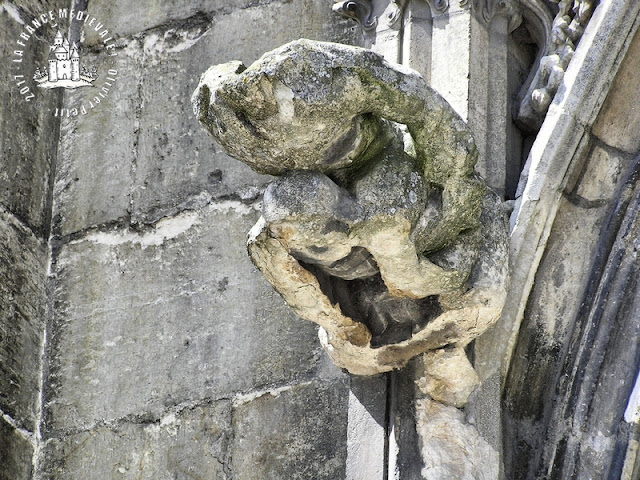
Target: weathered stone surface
x,y
94,177
28,152
348,343
556,310
581,426
294,116
177,166
16,454
191,443
450,59
173,314
316,108
484,413
449,377
450,447
560,143
297,434
160,160
405,456
563,274
566,31
22,319
601,50
417,35
303,16
367,424
619,121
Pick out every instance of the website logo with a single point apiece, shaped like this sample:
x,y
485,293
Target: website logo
x,y
64,70
64,65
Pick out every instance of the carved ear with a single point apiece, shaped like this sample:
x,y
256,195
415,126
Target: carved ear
x,y
247,92
231,119
212,82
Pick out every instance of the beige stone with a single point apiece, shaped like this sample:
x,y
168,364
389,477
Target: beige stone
x,y
450,447
619,122
449,377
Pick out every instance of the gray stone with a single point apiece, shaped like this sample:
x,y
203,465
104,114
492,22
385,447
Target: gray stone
x,y
298,434
449,377
303,16
576,377
188,444
294,116
451,59
560,144
367,425
172,314
557,310
483,411
565,33
16,454
405,456
597,181
97,153
29,151
604,50
22,319
418,31
177,166
565,141
450,447
160,161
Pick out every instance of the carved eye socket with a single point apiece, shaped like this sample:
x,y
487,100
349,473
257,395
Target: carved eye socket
x,y
351,6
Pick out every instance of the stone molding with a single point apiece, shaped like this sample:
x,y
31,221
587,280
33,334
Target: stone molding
x,y
488,9
393,13
559,145
438,7
361,11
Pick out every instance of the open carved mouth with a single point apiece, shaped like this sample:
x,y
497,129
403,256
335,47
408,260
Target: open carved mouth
x,y
355,286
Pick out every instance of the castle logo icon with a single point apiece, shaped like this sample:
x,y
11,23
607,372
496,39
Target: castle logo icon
x,y
63,66
64,69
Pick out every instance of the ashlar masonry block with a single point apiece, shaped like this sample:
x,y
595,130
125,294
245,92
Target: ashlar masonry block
x,y
145,321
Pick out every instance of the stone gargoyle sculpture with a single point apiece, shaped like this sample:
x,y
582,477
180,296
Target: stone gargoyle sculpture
x,y
377,228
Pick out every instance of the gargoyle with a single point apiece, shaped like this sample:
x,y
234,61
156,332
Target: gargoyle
x,y
377,228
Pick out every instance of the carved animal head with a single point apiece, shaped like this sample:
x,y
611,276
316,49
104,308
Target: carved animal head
x,y
285,112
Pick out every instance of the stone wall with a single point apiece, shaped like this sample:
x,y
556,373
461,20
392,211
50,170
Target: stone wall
x,y
27,157
167,355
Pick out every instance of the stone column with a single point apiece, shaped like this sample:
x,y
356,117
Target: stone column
x,y
489,92
416,38
450,54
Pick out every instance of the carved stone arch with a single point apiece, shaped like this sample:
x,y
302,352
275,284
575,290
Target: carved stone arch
x,y
569,410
